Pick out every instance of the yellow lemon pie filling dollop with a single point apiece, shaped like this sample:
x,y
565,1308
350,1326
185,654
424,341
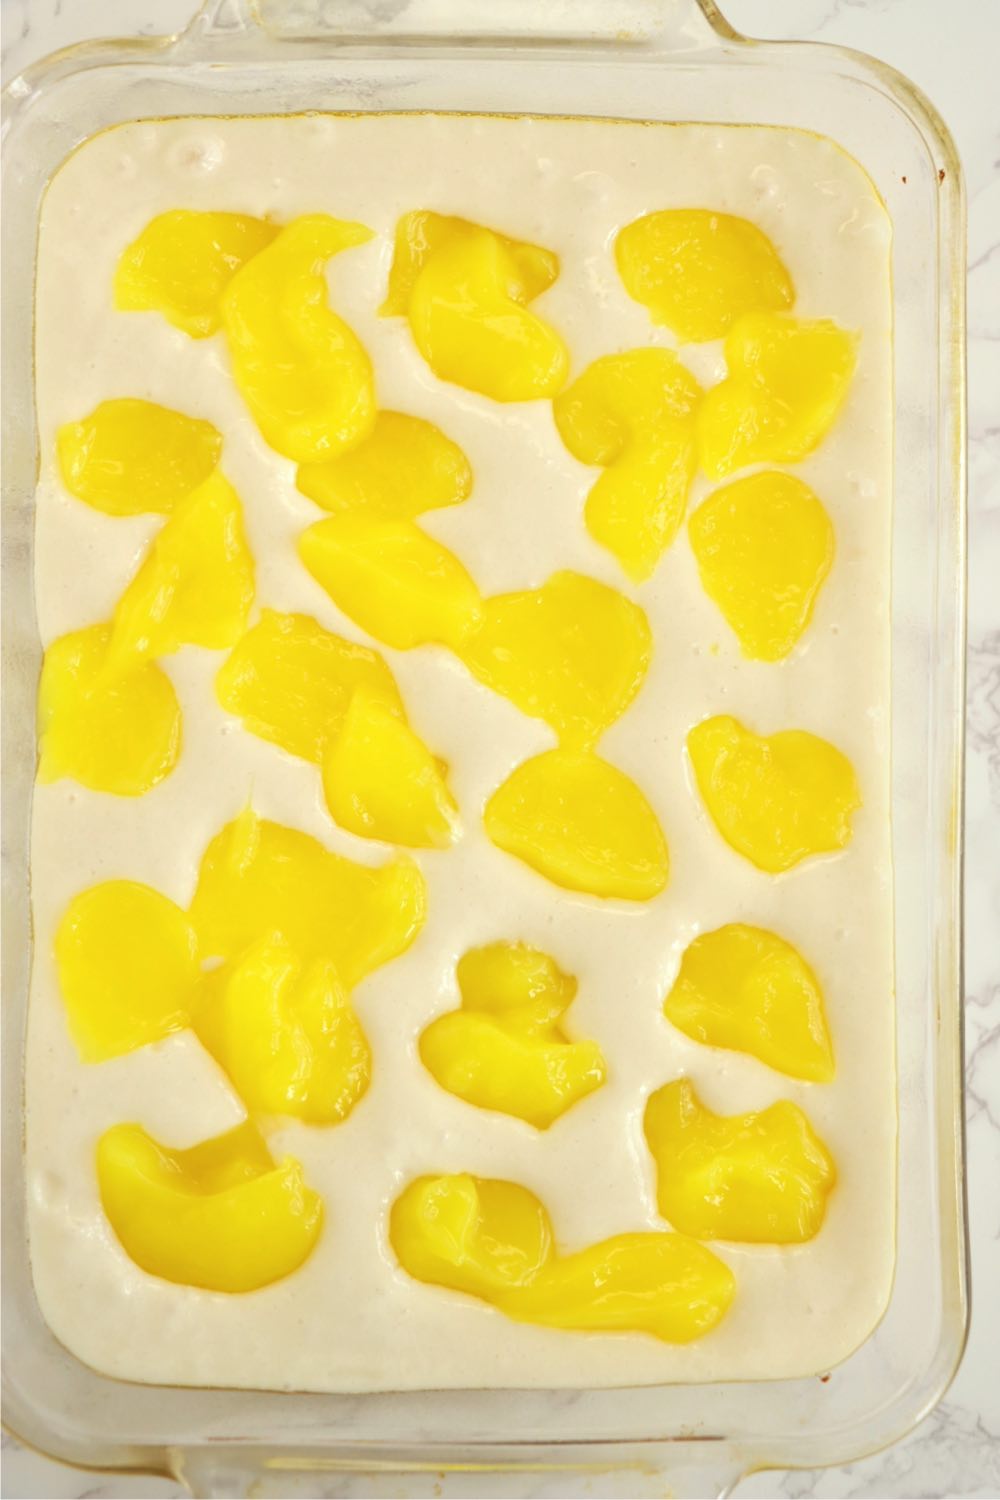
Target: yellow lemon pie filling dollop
x,y
763,546
581,823
130,457
776,799
465,290
760,1178
749,990
182,262
111,730
405,466
285,1032
504,1048
302,371
634,415
493,1240
222,1215
697,270
786,384
573,653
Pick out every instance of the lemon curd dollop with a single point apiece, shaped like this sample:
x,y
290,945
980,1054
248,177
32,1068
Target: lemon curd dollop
x,y
130,457
764,546
759,1178
392,579
465,290
747,989
110,729
573,653
697,270
285,1032
493,1240
405,466
222,1215
381,781
292,682
633,414
776,799
581,823
259,878
127,961
196,583
183,261
505,1048
302,371
787,381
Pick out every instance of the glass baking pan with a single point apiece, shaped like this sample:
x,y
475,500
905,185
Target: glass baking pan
x,y
658,60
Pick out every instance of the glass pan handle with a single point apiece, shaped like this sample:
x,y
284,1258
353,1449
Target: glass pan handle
x,y
677,23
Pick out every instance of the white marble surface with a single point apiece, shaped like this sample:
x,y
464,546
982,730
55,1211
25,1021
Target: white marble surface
x,y
950,50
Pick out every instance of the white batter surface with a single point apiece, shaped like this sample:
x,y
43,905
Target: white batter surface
x,y
350,1319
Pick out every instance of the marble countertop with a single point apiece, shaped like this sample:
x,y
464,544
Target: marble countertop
x,y
949,51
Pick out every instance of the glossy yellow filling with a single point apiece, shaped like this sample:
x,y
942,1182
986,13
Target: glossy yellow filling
x,y
196,584
504,1048
761,1178
465,290
222,1215
183,261
581,823
129,457
493,1240
127,960
634,415
777,799
302,371
285,1032
573,653
697,271
259,878
295,926
111,731
786,384
748,989
763,546
392,579
404,467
